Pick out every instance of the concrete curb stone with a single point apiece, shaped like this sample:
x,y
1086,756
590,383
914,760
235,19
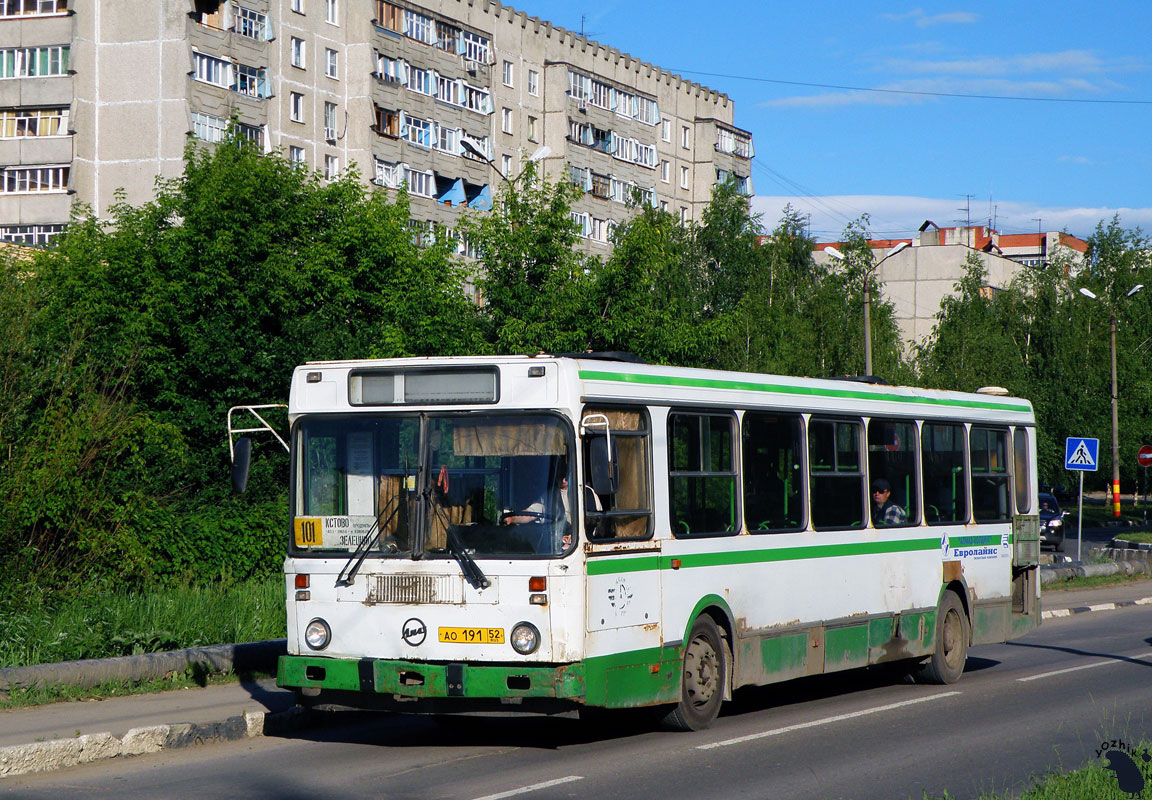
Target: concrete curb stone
x,y
23,759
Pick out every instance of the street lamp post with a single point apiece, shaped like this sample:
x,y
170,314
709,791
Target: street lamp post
x,y
836,254
1115,396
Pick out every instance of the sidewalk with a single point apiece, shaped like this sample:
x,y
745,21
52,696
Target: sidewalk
x,y
42,738
66,734
1065,602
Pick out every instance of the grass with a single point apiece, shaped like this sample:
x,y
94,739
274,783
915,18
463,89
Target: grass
x,y
101,623
1092,782
1093,582
189,679
1138,536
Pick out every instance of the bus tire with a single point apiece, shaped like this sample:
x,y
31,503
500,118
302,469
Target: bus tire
x,y
704,671
946,664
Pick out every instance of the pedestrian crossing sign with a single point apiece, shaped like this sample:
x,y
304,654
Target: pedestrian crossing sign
x,y
1081,454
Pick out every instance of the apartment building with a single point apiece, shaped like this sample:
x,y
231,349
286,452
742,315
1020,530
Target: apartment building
x,y
916,279
451,98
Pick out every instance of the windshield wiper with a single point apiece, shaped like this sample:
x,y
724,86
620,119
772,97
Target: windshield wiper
x,y
352,566
472,572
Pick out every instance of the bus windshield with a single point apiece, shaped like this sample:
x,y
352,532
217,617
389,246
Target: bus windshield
x,y
492,485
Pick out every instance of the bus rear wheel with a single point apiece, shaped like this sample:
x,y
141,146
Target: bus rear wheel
x,y
947,662
703,673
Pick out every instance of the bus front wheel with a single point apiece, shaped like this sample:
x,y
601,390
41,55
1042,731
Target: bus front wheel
x,y
703,673
947,662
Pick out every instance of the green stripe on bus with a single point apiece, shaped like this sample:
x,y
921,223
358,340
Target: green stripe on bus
x,y
973,541
646,563
750,386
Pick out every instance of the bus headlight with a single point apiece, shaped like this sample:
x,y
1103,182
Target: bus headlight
x,y
525,638
317,635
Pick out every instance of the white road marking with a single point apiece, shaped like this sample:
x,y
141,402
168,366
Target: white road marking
x,y
826,720
1056,612
1143,601
1103,607
533,788
1118,660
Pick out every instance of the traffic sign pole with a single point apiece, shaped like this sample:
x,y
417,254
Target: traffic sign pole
x,y
1080,517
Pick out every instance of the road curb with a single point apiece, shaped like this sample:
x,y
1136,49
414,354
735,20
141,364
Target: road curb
x,y
23,759
1068,612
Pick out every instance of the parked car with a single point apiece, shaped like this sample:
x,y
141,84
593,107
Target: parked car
x,y
1051,523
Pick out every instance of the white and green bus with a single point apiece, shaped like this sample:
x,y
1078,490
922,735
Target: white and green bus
x,y
556,532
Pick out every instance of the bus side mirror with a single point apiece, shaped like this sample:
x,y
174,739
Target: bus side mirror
x,y
241,461
604,466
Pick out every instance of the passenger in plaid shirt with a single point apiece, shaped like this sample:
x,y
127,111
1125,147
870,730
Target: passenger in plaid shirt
x,y
884,511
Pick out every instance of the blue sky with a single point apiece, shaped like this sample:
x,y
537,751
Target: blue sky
x,y
1079,155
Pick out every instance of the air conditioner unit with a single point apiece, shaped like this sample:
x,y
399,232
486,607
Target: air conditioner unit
x,y
472,66
583,105
330,135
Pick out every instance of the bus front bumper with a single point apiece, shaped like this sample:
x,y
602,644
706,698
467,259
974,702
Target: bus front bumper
x,y
410,680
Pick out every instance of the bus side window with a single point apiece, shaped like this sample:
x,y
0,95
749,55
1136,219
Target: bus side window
x,y
892,456
772,454
990,487
836,471
702,474
627,514
942,467
1020,470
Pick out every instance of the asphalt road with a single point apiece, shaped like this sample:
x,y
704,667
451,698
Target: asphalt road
x,y
1041,703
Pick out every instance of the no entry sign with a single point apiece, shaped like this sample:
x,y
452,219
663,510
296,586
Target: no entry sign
x,y
1145,456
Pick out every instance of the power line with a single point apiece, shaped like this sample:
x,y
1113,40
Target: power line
x,y
1098,101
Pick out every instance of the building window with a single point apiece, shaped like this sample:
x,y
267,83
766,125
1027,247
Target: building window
x,y
330,122
476,47
506,120
209,69
533,82
686,137
531,129
508,73
419,183
296,155
296,54
27,8
447,37
683,177
331,168
251,23
506,164
666,130
31,235
448,90
296,106
448,140
664,170
16,122
421,80
330,11
250,133
386,174
251,81
208,128
420,132
418,27
683,215
331,63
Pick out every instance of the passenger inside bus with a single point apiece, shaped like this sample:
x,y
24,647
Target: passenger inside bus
x,y
884,511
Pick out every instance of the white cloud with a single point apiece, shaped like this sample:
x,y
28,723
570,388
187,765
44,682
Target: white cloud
x,y
923,20
898,216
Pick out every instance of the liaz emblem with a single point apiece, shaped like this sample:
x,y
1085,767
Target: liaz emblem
x,y
619,596
414,632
